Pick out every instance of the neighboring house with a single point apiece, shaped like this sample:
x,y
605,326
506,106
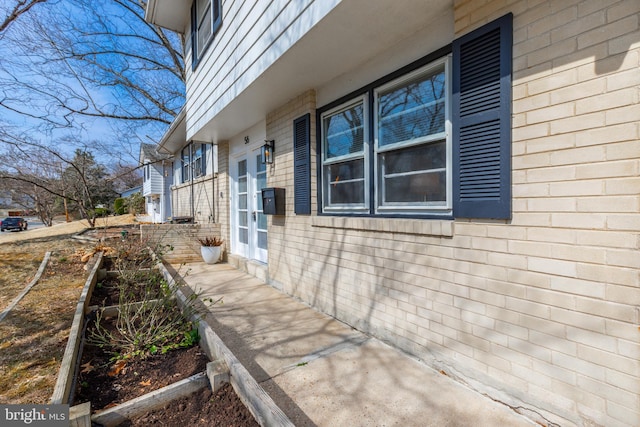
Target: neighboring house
x,y
130,191
194,172
461,179
157,177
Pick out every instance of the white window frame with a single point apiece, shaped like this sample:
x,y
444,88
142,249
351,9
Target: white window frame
x,y
185,160
380,207
196,161
371,153
203,12
201,16
354,207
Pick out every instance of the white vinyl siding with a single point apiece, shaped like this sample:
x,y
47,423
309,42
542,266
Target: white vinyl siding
x,y
153,184
252,38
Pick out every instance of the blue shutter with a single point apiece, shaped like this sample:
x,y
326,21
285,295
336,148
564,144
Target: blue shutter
x,y
217,15
482,121
302,164
194,37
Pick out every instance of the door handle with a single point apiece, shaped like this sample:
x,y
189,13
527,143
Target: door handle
x,y
253,214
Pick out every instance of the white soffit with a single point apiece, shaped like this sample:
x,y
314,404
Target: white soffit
x,y
171,14
348,37
176,136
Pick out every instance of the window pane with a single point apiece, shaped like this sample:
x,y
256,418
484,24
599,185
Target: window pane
x,y
260,167
412,111
242,219
204,33
344,132
242,167
347,193
201,7
424,157
204,24
197,167
185,173
261,181
203,161
262,221
242,201
415,175
345,183
243,235
242,184
262,240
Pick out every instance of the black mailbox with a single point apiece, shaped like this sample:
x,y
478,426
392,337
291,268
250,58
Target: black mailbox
x,y
273,201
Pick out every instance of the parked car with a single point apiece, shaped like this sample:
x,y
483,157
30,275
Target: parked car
x,y
13,223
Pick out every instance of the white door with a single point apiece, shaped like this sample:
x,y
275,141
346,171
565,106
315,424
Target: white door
x,y
250,224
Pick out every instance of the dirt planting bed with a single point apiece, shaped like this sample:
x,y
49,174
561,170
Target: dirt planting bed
x,y
111,375
105,382
203,408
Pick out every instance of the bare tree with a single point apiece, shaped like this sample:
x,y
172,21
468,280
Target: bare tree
x,y
36,168
87,67
31,176
83,64
13,12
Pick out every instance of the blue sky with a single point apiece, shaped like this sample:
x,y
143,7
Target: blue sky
x,y
23,58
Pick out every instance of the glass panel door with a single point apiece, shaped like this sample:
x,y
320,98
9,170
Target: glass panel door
x,y
242,209
250,223
260,229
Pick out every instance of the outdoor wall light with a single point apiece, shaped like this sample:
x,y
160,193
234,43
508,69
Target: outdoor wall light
x,y
266,152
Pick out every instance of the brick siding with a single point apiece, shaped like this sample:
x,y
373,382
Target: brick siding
x,y
540,312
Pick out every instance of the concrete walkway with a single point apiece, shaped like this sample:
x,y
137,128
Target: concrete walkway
x,y
322,372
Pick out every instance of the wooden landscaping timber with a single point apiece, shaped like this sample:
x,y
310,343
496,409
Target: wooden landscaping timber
x,y
62,389
17,299
218,373
259,403
155,399
113,310
80,415
116,273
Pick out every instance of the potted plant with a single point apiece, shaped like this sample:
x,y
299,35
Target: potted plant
x,y
211,249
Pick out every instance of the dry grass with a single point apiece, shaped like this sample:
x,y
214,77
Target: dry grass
x,y
34,335
18,268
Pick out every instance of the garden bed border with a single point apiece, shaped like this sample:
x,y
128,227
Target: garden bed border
x,y
68,367
254,397
259,403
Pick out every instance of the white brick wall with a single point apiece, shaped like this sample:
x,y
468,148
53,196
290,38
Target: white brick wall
x,y
202,192
181,237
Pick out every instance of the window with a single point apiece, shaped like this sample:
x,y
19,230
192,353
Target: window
x,y
431,140
405,167
411,121
199,163
206,18
345,136
194,161
186,163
